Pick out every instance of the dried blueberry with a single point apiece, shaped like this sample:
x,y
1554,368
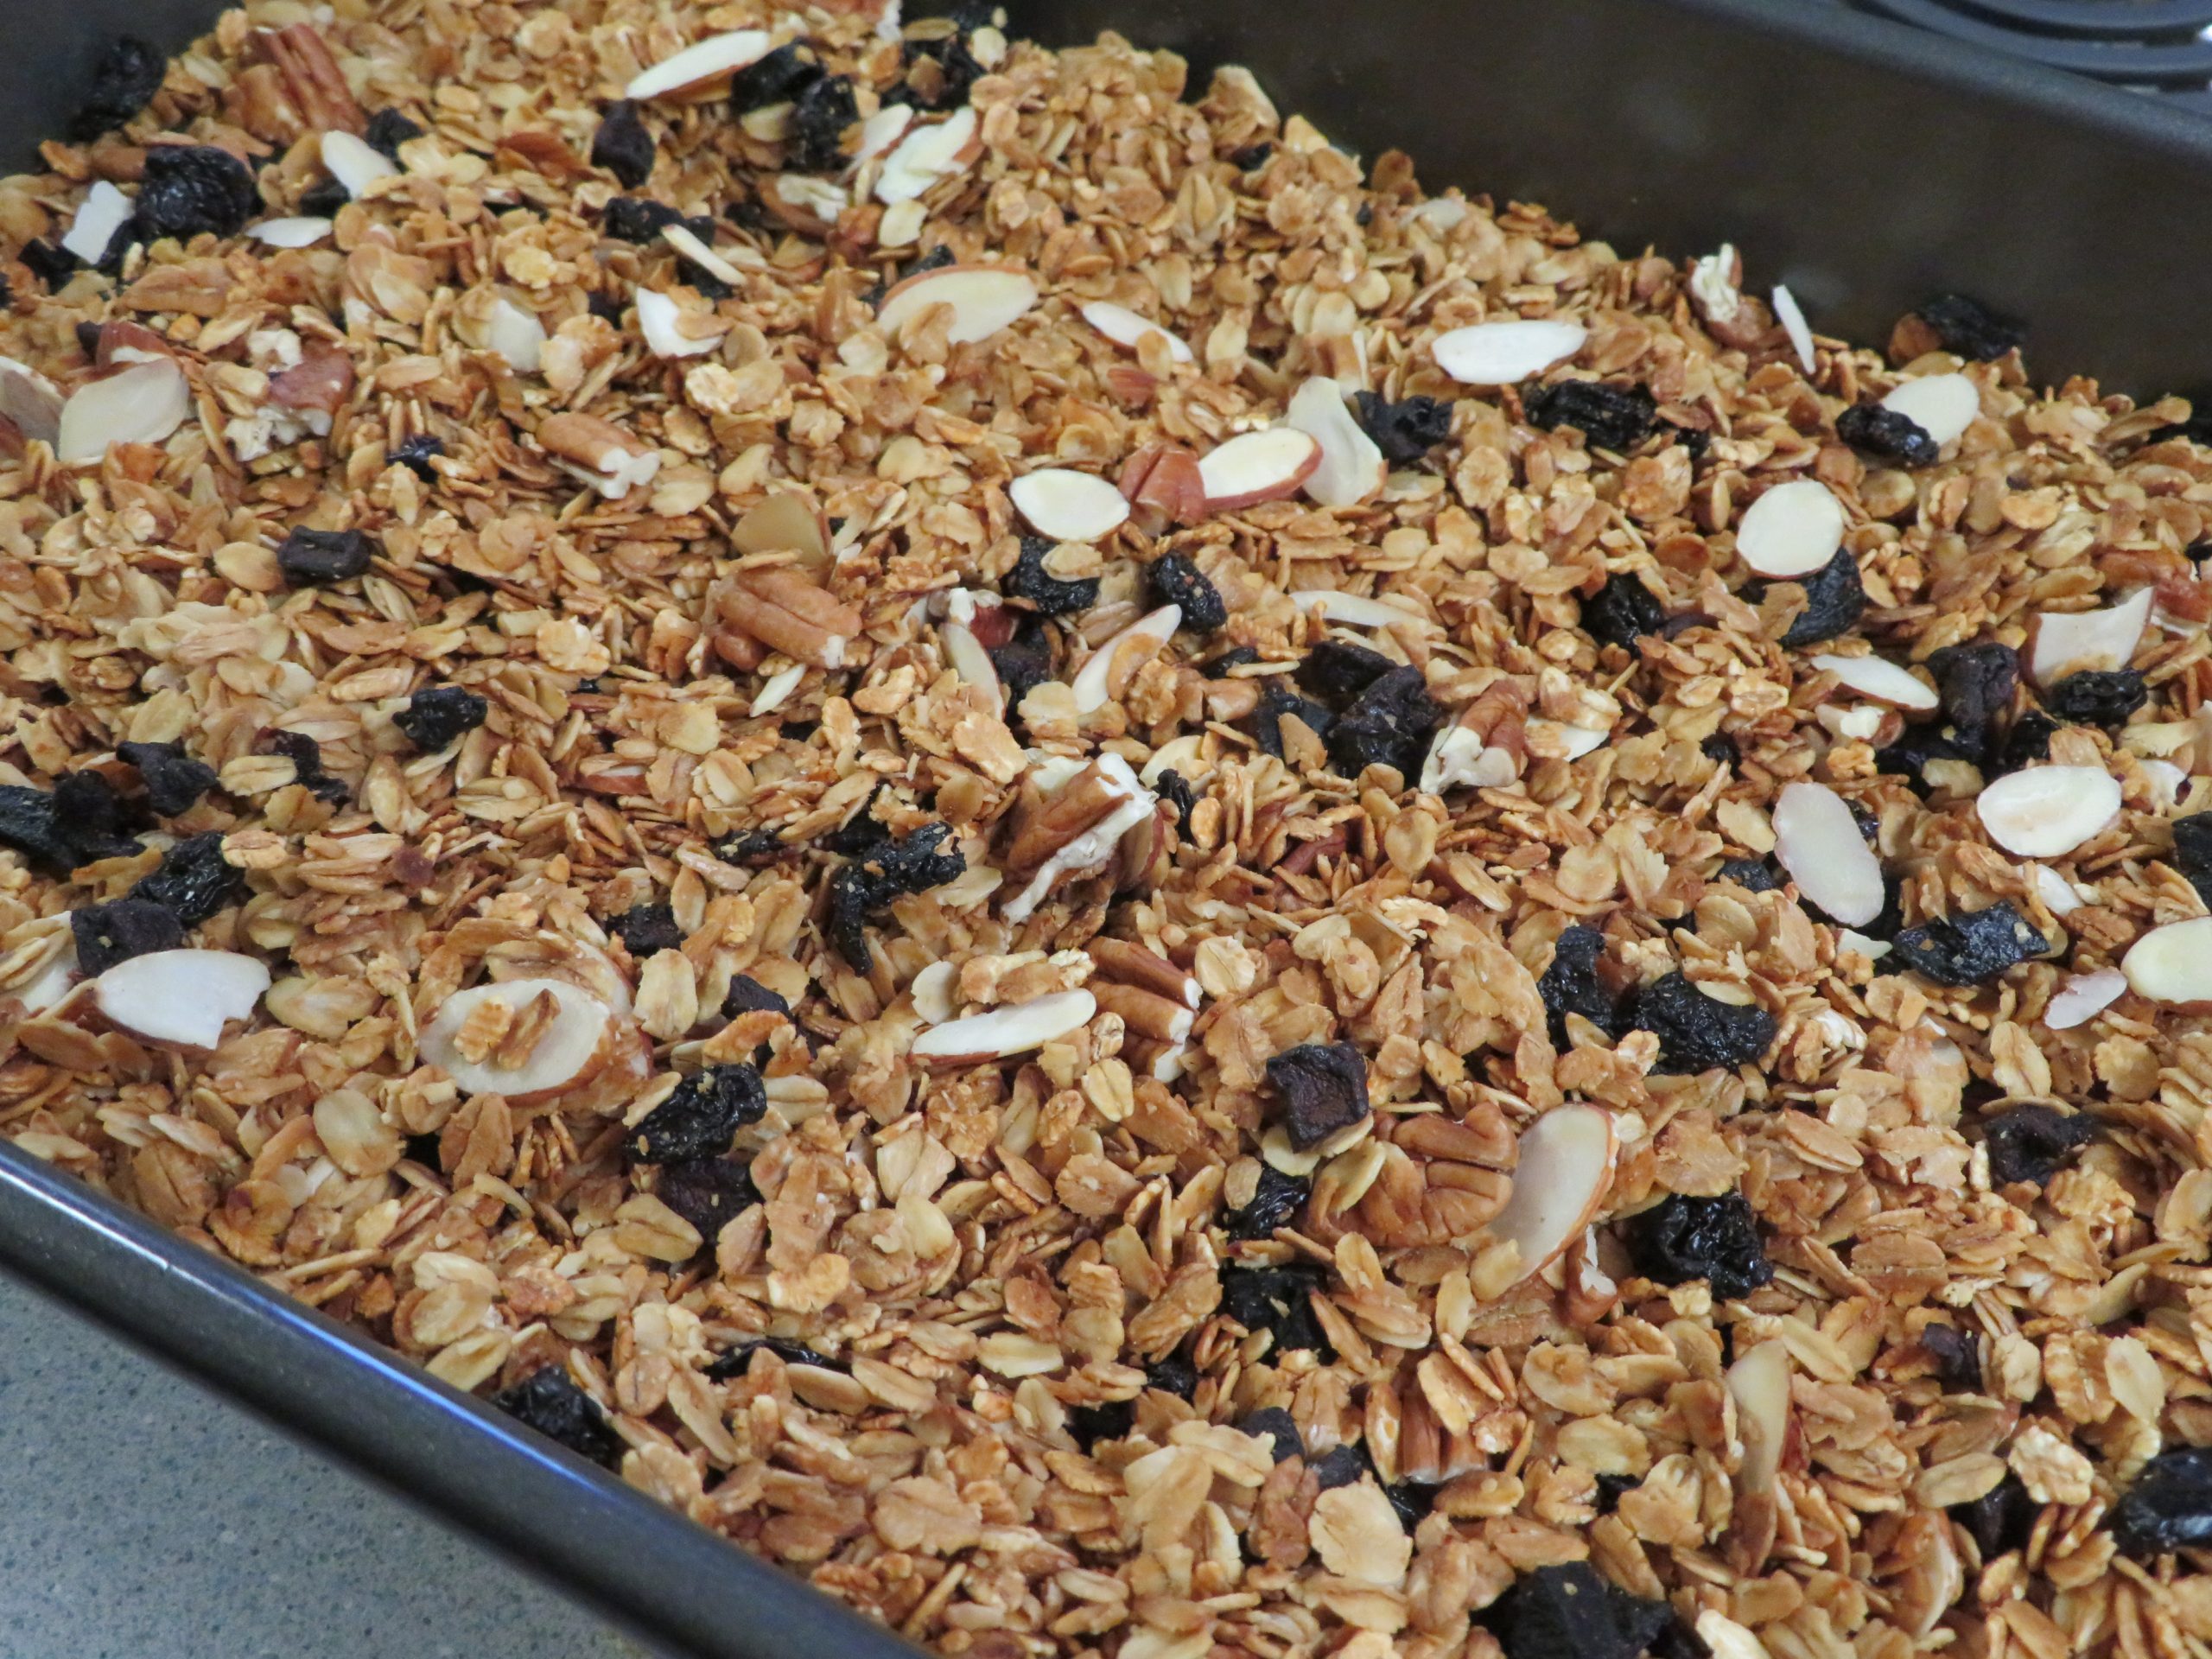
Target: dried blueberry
x,y
1276,1300
1389,724
913,863
2001,1519
107,934
1250,159
1173,788
1569,1612
1753,874
701,1118
622,145
820,114
1217,666
2029,742
1970,328
637,218
1406,430
1342,1465
306,756
1958,1361
1174,580
1909,757
1276,1201
89,815
549,1403
174,780
1833,602
1111,1419
189,188
1337,671
1611,417
860,832
324,198
777,79
315,558
957,70
438,715
1887,433
1279,1428
1173,1374
2098,696
1029,580
191,881
387,131
644,929
1697,1032
414,453
738,1360
1620,610
51,265
707,1192
1324,1089
752,848
124,82
1976,684
1970,947
2032,1143
1682,1238
1264,724
2168,1505
2193,851
1024,662
1721,748
1572,985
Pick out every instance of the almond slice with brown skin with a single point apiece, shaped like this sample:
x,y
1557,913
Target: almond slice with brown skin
x,y
1791,531
1355,611
786,522
1817,840
984,300
1107,671
1068,506
301,231
1125,328
30,400
1506,353
1002,1032
2073,643
1351,468
1564,1171
354,163
141,403
2173,964
1941,406
184,997
927,154
1879,678
702,63
2082,998
575,1043
968,659
1256,467
2048,812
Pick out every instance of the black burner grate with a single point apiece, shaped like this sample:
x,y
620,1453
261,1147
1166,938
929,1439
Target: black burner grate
x,y
2153,45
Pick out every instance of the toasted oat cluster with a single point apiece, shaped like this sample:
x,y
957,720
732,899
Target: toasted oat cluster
x,y
1129,890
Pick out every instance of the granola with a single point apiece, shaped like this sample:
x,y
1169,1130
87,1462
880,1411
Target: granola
x,y
1097,875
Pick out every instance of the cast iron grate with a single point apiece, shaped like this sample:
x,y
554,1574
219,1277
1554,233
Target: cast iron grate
x,y
2158,46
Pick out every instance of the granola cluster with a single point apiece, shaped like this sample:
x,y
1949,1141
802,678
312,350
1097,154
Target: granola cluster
x,y
1098,876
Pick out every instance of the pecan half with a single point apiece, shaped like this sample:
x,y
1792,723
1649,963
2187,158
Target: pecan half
x,y
311,84
610,460
779,608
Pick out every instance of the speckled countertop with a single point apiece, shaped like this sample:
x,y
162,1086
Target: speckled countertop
x,y
141,1516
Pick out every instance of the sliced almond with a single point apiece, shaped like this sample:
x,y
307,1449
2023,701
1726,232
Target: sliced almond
x,y
1068,506
104,212
1555,740
786,522
984,299
52,982
1817,840
777,689
1506,353
1941,406
1355,611
517,335
142,403
1185,756
354,163
1125,328
969,660
1256,467
180,996
1107,671
571,1050
1791,315
701,64
30,400
687,245
1881,679
660,321
2076,642
882,130
1759,1384
1351,467
2173,964
2057,894
1792,530
302,231
927,154
1014,1028
2082,998
1559,1182
2048,812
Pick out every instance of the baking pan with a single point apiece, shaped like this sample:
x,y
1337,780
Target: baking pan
x,y
1863,163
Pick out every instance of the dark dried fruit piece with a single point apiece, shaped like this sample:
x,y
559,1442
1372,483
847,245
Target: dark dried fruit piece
x,y
2168,1505
641,219
738,1360
1406,430
107,934
752,848
52,264
1909,756
1682,1238
644,929
1174,1375
438,715
701,1118
777,79
1569,1612
174,781
1958,1361
1697,1032
1264,724
1971,946
914,864
1276,1427
89,815
193,882
748,995
820,114
306,756
415,452
1389,724
1976,684
1111,1419
1971,328
387,131
1279,1301
1834,600
2029,742
1337,671
857,834
549,1403
1174,580
189,188
1250,159
1611,417
1275,1201
1721,749
1621,611
2193,851
324,198
956,67
709,1192
1029,580
1324,1089
1753,874
1173,788
2033,1142
2001,1519
1024,662
315,558
128,76
623,145
2098,696
1889,434
1571,985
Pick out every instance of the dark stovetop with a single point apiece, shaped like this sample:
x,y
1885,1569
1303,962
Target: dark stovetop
x,y
2157,46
